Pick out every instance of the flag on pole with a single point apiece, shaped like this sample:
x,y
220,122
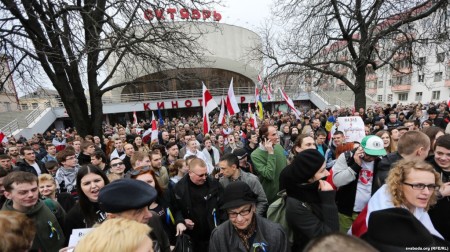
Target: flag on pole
x,y
2,137
290,103
161,120
154,128
268,91
258,103
209,104
222,115
134,118
252,118
232,105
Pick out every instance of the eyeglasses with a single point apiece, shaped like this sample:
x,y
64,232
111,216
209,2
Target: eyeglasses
x,y
116,164
242,213
421,186
139,171
201,175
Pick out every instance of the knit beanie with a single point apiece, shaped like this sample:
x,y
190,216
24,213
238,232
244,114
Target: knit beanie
x,y
305,165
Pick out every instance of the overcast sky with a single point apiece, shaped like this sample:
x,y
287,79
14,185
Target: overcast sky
x,y
245,13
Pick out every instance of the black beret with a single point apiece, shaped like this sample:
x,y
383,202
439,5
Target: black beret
x,y
126,194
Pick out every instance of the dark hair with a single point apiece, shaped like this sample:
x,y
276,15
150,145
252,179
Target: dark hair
x,y
231,159
321,133
431,132
4,156
263,132
338,132
100,155
170,145
48,146
443,141
86,206
250,134
24,148
62,155
3,172
18,177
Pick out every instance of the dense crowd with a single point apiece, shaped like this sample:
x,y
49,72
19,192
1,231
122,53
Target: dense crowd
x,y
291,184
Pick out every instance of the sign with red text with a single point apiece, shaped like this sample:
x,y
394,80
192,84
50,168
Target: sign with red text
x,y
353,128
183,14
182,103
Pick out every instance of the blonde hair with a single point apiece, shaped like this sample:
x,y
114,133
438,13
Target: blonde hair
x,y
398,175
14,236
46,177
114,235
113,177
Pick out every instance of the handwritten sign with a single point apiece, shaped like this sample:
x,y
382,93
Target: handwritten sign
x,y
353,128
77,234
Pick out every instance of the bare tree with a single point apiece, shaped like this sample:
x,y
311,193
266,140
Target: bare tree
x,y
348,40
85,44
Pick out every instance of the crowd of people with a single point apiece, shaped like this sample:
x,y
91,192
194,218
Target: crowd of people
x,y
291,184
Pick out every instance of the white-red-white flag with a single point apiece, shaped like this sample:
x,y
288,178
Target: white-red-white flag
x,y
268,90
209,104
232,105
154,128
252,118
222,115
134,117
290,103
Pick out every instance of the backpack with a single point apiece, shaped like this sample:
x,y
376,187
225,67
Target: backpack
x,y
277,214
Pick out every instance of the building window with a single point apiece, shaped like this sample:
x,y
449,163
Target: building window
x,y
421,77
418,96
436,95
389,98
7,106
24,106
422,61
390,82
380,84
437,76
35,105
403,96
380,98
440,57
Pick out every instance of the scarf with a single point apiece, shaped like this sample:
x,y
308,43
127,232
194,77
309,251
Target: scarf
x,y
245,234
306,192
69,176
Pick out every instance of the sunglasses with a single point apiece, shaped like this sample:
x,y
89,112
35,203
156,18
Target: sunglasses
x,y
116,164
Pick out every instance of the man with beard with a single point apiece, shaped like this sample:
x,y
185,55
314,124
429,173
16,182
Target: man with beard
x,y
172,153
161,173
13,152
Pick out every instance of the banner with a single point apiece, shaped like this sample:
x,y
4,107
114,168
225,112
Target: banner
x,y
353,128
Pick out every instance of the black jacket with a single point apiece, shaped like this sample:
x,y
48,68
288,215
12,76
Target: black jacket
x,y
183,209
383,168
439,213
22,165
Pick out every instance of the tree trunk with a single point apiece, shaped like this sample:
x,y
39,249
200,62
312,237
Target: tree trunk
x,y
81,120
360,87
96,113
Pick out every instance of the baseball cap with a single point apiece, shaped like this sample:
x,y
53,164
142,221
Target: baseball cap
x,y
240,153
373,145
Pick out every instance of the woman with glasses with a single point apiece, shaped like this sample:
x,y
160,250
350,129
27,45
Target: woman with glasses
x,y
86,212
411,185
160,206
245,230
